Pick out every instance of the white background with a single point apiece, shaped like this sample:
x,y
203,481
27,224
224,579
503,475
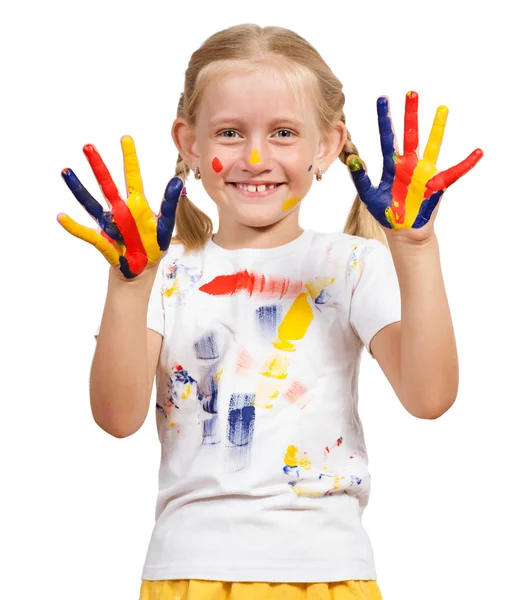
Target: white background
x,y
78,505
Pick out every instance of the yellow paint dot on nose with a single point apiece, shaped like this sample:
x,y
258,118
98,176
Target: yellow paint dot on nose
x,y
255,158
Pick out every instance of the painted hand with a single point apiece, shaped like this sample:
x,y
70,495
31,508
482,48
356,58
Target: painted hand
x,y
410,188
131,236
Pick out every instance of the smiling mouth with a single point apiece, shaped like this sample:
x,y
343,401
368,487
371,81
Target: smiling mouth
x,y
263,189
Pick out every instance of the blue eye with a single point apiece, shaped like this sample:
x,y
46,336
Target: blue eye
x,y
223,133
289,133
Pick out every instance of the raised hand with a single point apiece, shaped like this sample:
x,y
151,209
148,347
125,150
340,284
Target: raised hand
x,y
131,236
410,188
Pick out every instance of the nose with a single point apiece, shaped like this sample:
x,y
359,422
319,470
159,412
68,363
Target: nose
x,y
256,157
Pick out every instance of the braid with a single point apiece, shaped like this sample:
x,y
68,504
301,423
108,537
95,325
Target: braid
x,y
360,221
182,169
193,227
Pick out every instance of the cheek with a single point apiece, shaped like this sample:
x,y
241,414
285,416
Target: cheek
x,y
216,165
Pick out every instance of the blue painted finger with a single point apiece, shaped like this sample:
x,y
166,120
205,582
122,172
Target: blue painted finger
x,y
360,179
94,208
124,267
426,209
387,139
167,218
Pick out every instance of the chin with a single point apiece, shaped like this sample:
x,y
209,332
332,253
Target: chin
x,y
261,219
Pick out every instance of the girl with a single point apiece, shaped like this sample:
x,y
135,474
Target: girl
x,y
255,334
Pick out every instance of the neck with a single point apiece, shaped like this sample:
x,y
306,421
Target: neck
x,y
233,236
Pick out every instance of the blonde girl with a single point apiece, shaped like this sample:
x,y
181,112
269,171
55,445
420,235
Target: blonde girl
x,y
255,333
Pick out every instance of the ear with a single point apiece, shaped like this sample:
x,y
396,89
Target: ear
x,y
184,138
330,145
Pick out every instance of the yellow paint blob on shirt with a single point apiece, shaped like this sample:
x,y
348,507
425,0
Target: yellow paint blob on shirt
x,y
288,204
255,158
295,323
293,458
172,290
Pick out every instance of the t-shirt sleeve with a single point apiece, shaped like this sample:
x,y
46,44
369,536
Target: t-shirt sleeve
x,y
155,311
375,299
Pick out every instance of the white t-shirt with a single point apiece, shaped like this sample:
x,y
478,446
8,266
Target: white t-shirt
x,y
264,469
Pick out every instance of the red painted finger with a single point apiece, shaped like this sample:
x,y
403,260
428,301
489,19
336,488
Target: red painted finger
x,y
102,175
443,180
136,255
411,136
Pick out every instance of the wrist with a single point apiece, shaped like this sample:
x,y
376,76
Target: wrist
x,y
140,284
401,243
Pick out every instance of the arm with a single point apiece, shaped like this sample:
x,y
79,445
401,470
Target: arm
x,y
126,356
419,355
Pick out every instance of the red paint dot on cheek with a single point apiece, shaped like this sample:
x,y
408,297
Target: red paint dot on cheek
x,y
217,165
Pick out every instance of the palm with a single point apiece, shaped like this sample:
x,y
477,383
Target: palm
x,y
130,235
410,187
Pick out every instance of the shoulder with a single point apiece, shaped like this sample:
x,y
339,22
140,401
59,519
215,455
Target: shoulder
x,y
343,245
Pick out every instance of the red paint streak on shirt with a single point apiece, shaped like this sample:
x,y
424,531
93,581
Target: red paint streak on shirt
x,y
253,284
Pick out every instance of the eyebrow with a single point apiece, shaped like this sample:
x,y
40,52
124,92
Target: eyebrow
x,y
274,122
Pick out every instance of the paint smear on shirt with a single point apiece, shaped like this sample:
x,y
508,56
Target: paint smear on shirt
x,y
276,366
295,324
253,284
266,394
295,460
317,288
244,362
206,347
240,430
296,391
268,318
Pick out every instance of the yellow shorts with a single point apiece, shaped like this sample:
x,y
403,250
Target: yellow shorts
x,y
196,589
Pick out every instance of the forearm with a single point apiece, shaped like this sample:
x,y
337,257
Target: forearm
x,y
119,374
429,362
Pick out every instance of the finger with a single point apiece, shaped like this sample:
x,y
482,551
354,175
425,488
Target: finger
x,y
387,140
435,139
102,175
360,177
443,180
167,216
91,236
426,210
411,133
133,180
93,207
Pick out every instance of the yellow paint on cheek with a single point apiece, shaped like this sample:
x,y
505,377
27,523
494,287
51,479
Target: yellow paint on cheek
x,y
288,204
295,323
255,158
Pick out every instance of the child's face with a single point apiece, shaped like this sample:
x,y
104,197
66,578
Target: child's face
x,y
251,132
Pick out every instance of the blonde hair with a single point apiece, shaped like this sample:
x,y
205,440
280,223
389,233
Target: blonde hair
x,y
246,46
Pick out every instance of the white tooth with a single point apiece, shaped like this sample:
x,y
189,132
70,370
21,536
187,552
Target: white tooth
x,y
251,188
241,186
272,186
261,188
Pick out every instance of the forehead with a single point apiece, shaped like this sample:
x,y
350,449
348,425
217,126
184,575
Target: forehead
x,y
262,94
